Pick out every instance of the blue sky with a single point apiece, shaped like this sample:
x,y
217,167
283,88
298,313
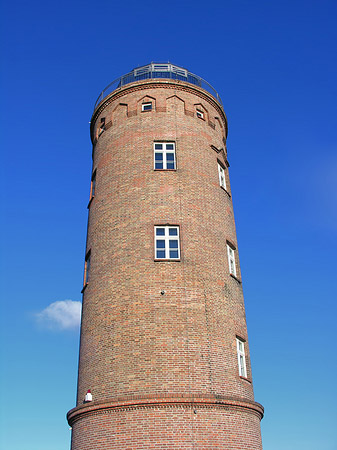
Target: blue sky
x,y
274,65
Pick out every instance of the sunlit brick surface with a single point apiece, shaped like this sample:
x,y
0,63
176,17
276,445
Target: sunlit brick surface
x,y
162,328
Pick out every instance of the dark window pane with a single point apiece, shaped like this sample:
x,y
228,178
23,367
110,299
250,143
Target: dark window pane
x,y
160,254
169,146
160,243
147,106
158,146
173,244
158,156
170,165
173,232
87,270
174,254
170,156
159,165
160,231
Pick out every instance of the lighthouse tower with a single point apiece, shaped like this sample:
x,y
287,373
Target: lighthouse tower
x,y
164,356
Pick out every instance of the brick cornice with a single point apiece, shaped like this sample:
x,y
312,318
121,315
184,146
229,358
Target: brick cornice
x,y
160,83
163,401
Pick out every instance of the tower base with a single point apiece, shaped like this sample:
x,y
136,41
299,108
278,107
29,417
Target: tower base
x,y
205,423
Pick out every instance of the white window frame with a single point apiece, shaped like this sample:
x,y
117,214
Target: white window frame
x,y
240,347
200,114
166,237
164,150
231,260
145,106
222,176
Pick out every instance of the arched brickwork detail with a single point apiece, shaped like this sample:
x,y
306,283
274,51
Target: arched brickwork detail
x,y
175,104
146,99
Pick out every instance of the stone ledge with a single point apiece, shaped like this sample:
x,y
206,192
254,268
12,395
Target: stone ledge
x,y
163,401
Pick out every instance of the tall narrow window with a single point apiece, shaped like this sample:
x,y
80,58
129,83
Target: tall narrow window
x,y
147,106
102,126
240,346
167,242
93,185
231,260
222,177
87,268
164,155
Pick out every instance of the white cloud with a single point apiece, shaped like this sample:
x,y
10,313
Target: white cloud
x,y
62,315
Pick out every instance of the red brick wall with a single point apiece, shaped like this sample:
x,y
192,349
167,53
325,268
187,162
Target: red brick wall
x,y
134,340
210,428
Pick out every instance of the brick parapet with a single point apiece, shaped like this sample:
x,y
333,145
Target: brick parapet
x,y
176,85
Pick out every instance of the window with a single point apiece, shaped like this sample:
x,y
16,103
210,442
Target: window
x,y
167,242
164,155
147,106
102,126
93,185
200,114
240,346
222,177
87,268
231,260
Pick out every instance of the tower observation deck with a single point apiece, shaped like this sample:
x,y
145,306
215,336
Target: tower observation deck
x,y
158,70
164,355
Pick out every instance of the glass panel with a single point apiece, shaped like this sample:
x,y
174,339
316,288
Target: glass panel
x,y
240,345
160,243
87,270
170,156
241,365
174,254
158,146
158,156
160,231
173,231
173,243
170,165
147,106
159,165
169,146
160,254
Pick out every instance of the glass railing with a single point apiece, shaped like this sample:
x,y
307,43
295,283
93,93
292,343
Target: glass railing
x,y
158,70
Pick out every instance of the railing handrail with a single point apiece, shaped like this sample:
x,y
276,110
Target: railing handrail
x,y
154,71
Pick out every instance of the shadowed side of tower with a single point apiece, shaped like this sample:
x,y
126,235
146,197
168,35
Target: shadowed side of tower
x,y
164,346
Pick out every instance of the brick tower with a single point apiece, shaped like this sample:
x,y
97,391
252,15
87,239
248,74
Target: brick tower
x,y
164,350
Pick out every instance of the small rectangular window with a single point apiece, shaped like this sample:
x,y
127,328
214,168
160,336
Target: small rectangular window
x,y
147,106
164,156
93,185
87,268
200,114
231,260
167,242
222,177
240,345
102,126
